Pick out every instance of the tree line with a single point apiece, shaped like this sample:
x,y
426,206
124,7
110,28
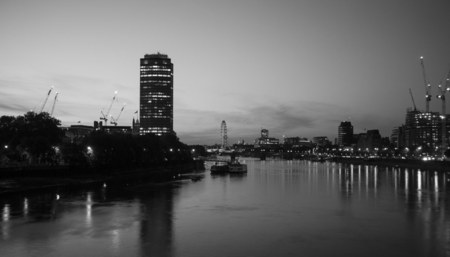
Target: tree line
x,y
38,139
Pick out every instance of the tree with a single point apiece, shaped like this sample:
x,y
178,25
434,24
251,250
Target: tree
x,y
33,133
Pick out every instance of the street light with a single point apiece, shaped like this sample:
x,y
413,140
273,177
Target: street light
x,y
89,150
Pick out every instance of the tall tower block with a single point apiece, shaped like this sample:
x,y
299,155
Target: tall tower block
x,y
345,133
156,95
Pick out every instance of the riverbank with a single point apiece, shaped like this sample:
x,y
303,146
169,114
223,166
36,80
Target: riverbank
x,y
34,179
441,166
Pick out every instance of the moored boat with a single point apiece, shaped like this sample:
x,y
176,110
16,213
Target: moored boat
x,y
220,167
237,167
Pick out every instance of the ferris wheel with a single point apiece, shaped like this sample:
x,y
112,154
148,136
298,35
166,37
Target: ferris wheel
x,y
223,134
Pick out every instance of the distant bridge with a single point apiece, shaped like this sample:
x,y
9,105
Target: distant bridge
x,y
214,159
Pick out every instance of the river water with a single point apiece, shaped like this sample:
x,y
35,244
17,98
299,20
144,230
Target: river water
x,y
279,208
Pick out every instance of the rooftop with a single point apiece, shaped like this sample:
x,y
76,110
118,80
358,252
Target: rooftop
x,y
157,55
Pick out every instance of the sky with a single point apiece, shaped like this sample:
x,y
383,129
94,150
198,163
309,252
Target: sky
x,y
296,68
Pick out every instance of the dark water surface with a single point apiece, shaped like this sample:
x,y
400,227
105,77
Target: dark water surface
x,y
280,208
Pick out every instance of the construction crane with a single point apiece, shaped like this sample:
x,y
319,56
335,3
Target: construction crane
x,y
412,98
443,90
54,102
105,116
427,86
46,98
114,121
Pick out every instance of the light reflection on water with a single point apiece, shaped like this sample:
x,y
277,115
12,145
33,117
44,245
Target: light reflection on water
x,y
89,209
280,208
5,221
25,206
6,213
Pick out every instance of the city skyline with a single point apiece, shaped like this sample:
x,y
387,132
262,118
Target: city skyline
x,y
297,68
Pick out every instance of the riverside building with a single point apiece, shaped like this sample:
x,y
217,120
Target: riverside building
x,y
345,134
156,95
422,129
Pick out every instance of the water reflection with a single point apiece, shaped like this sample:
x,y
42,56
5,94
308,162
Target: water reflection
x,y
5,213
156,223
436,182
375,180
25,206
283,207
5,221
89,209
406,181
419,188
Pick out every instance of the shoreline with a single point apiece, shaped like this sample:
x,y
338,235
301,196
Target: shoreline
x,y
42,179
440,166
25,180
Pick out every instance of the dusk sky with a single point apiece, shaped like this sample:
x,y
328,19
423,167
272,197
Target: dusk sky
x,y
297,68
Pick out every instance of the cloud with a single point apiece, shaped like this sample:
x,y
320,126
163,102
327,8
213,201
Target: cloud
x,y
203,136
281,117
12,108
290,119
18,96
80,97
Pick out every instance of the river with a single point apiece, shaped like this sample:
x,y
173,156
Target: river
x,y
279,208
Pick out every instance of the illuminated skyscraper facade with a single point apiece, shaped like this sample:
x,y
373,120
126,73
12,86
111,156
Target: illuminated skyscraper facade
x,y
156,95
422,129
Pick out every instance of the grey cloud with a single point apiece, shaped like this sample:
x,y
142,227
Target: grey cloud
x,y
283,119
10,107
205,136
282,116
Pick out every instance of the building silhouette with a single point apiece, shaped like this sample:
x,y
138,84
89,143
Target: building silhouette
x,y
345,134
265,139
297,142
156,95
371,140
264,133
422,129
321,141
398,137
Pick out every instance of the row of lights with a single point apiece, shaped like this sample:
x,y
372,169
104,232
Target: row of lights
x,y
91,151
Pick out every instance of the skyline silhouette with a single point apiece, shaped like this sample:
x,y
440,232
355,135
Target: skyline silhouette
x,y
297,68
